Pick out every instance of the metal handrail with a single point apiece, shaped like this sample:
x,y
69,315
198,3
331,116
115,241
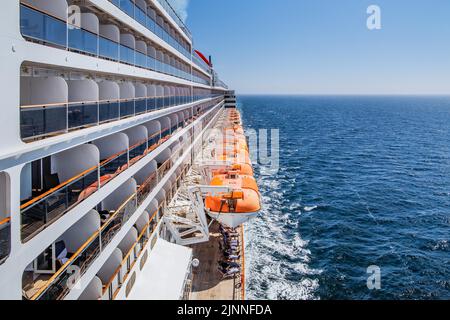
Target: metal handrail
x,y
143,232
86,102
42,290
5,221
66,46
177,19
86,172
81,249
55,277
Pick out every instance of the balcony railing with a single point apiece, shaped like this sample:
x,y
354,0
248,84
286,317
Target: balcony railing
x,y
43,121
201,80
122,272
201,64
220,83
166,5
41,26
5,239
43,210
120,275
82,40
57,286
38,213
135,12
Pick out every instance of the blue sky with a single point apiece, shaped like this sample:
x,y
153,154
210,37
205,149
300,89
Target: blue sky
x,y
324,46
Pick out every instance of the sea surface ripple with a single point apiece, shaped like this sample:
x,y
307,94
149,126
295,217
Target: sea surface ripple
x,y
362,181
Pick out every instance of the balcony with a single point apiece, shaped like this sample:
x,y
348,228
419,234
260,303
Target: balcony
x,y
201,64
175,17
59,112
111,215
43,27
87,168
148,19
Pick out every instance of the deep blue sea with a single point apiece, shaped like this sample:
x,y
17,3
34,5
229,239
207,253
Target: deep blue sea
x,y
362,181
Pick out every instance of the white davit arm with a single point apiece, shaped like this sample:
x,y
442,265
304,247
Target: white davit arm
x,y
207,167
186,231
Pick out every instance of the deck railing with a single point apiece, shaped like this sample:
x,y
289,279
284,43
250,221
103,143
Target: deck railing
x,y
41,26
135,12
166,5
59,284
43,210
201,64
38,213
43,121
120,275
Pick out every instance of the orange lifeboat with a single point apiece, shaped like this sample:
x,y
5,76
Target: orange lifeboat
x,y
235,146
242,169
237,207
235,159
245,200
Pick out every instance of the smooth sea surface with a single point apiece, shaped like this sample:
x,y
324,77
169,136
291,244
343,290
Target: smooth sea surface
x,y
362,181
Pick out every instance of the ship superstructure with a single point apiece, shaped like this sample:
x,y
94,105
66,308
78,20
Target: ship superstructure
x,y
107,108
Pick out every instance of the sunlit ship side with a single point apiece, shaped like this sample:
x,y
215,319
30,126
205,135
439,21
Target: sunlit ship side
x,y
105,189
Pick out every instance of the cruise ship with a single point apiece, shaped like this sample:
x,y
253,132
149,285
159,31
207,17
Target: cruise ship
x,y
124,167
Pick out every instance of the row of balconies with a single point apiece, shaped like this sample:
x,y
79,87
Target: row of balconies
x,y
59,182
53,186
105,41
140,11
165,4
120,273
49,276
200,63
200,78
52,105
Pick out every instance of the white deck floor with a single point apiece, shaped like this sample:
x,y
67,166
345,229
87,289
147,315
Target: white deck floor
x,y
164,274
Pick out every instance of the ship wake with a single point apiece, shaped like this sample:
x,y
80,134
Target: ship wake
x,y
278,258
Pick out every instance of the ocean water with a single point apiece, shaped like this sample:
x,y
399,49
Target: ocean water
x,y
362,181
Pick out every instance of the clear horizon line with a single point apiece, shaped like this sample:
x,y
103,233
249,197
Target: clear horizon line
x,y
343,94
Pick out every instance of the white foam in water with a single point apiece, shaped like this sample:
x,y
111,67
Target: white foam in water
x,y
309,209
270,277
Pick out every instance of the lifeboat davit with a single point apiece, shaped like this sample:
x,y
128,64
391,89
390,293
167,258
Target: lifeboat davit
x,y
235,158
243,202
238,207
